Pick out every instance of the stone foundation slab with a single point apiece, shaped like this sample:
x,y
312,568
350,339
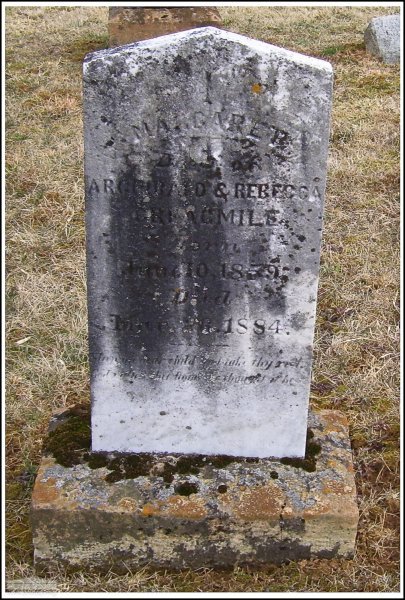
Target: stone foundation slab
x,y
122,512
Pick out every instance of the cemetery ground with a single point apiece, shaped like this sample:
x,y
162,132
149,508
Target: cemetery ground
x,y
356,366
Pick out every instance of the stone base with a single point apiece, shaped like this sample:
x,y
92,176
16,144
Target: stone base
x,y
122,512
128,25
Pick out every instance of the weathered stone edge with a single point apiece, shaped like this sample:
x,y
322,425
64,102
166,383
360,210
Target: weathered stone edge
x,y
173,39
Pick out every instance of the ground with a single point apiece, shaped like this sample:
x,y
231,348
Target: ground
x,y
356,367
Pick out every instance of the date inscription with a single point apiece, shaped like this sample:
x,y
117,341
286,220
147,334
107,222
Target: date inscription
x,y
206,326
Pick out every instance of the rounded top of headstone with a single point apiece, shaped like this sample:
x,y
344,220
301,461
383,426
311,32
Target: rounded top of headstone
x,y
200,37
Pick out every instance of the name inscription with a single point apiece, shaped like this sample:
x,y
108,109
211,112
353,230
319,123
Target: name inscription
x,y
219,189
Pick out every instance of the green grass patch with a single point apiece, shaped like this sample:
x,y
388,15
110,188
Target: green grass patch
x,y
343,50
17,137
332,50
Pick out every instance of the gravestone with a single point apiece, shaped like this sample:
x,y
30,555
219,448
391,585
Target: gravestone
x,y
205,160
127,25
205,164
383,38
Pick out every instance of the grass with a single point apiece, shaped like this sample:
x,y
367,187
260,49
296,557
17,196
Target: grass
x,y
356,367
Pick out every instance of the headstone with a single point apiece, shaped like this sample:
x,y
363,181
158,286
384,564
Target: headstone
x,y
205,173
383,38
205,165
127,25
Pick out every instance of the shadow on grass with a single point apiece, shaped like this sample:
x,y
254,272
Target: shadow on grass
x,y
77,50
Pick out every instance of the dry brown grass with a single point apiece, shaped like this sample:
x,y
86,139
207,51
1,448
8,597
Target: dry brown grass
x,y
357,336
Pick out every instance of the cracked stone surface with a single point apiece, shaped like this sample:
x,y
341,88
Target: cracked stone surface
x,y
249,512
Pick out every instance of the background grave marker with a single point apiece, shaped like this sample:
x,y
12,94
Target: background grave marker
x,y
383,38
127,25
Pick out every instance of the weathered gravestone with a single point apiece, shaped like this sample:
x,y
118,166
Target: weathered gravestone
x,y
132,24
383,38
205,175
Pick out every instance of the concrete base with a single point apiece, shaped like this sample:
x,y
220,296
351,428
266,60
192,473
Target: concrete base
x,y
121,512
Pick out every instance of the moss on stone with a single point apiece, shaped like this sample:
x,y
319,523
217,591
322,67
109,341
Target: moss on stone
x,y
221,460
68,441
193,463
308,463
95,460
190,464
168,472
129,466
186,488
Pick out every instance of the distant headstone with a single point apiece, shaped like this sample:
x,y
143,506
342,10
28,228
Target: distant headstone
x,y
382,38
127,25
205,165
